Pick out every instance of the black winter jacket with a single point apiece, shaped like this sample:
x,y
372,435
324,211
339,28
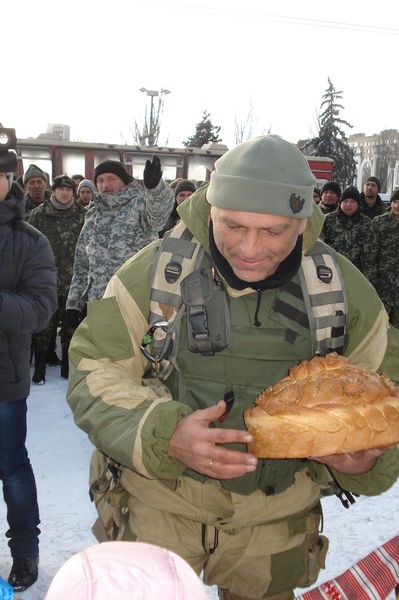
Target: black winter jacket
x,y
28,293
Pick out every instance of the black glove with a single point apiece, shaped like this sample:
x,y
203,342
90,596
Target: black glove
x,y
152,173
72,318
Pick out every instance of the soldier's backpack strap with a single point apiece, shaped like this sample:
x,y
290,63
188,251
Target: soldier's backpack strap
x,y
325,299
179,255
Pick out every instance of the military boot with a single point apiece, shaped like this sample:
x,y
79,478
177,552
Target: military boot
x,y
39,375
65,364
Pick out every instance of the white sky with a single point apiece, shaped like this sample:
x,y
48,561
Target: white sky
x,y
82,63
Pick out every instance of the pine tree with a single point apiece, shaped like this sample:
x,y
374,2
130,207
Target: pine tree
x,y
331,141
205,132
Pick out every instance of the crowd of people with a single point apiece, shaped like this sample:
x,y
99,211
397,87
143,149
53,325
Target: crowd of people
x,y
176,305
366,231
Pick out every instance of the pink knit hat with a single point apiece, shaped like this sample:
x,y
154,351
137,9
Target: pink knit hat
x,y
126,570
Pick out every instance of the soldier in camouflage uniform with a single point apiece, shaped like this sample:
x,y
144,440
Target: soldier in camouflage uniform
x,y
121,219
60,219
386,227
371,203
35,184
330,193
350,233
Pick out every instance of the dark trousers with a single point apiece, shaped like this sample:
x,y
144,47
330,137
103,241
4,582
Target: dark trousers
x,y
19,487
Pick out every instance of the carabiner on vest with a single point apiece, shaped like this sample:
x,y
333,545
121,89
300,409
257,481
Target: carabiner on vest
x,y
147,339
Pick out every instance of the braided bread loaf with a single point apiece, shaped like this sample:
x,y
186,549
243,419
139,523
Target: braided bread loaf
x,y
324,406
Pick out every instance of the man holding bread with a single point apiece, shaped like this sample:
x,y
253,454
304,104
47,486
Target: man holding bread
x,y
189,332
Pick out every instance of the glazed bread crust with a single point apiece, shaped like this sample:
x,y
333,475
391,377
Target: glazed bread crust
x,y
324,406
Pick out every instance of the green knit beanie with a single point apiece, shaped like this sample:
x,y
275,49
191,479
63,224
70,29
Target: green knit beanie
x,y
264,175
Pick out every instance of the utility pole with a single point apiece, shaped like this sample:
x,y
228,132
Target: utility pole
x,y
154,124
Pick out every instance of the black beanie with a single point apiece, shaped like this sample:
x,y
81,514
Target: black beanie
x,y
183,185
115,167
333,186
394,195
376,180
63,181
350,192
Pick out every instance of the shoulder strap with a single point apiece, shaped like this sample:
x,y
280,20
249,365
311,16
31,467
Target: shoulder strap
x,y
325,299
179,254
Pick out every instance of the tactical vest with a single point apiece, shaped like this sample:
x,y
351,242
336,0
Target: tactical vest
x,y
198,330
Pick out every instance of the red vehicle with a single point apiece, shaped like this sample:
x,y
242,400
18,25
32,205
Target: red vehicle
x,y
56,156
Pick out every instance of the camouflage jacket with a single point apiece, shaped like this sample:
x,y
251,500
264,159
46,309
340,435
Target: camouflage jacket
x,y
132,418
116,227
62,228
378,208
386,228
327,208
354,238
30,205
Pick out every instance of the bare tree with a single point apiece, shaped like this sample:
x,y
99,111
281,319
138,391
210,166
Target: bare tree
x,y
148,132
243,129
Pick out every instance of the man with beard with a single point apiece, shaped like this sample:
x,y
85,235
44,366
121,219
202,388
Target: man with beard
x,y
122,219
35,184
386,228
371,203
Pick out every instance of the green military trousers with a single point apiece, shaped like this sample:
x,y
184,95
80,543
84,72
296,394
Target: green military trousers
x,y
251,547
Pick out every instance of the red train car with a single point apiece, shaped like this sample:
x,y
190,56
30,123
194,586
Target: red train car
x,y
56,156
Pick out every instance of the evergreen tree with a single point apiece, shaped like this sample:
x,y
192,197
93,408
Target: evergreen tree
x,y
205,132
331,141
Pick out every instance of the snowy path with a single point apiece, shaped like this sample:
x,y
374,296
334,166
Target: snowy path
x,y
60,455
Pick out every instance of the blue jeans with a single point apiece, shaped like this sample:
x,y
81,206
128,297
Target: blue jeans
x,y
19,487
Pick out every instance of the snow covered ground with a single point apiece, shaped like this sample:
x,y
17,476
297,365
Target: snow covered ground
x,y
60,455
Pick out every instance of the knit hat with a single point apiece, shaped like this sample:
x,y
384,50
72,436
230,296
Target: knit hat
x,y
126,570
350,192
333,186
264,175
63,181
34,171
394,195
115,167
376,180
183,185
87,183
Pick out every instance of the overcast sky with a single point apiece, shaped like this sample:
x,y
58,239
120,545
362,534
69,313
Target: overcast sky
x,y
83,62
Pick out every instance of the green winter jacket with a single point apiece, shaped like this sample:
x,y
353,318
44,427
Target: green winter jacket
x,y
131,418
62,229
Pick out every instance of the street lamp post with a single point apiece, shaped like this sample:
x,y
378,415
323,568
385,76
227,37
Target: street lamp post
x,y
152,94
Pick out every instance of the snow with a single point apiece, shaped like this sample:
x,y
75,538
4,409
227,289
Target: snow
x,y
60,455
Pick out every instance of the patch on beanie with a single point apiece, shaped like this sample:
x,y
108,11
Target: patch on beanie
x,y
296,203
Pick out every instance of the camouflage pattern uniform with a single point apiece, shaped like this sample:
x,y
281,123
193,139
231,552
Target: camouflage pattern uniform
x,y
327,208
62,228
354,238
378,208
116,227
386,228
30,205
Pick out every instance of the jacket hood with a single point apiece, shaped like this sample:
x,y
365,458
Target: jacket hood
x,y
13,206
195,213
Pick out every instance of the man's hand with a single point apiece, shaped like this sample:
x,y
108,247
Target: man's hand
x,y
152,173
352,463
194,444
